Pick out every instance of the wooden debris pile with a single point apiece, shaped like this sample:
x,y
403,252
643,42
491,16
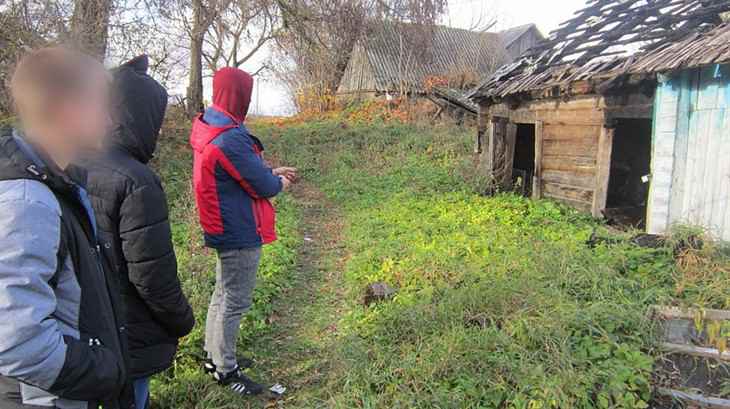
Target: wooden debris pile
x,y
454,98
695,368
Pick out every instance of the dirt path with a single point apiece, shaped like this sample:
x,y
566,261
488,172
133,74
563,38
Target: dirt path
x,y
297,351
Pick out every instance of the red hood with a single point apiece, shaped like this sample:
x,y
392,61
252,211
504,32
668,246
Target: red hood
x,y
203,133
232,92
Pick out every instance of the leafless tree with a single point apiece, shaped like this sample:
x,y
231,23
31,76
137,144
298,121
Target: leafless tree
x,y
203,14
254,23
27,24
319,36
219,33
90,26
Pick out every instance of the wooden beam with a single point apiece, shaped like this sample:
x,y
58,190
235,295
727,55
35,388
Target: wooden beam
x,y
482,124
696,399
439,112
603,171
509,152
490,133
691,313
537,178
701,352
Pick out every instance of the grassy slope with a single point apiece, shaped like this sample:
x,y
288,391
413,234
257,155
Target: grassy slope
x,y
500,304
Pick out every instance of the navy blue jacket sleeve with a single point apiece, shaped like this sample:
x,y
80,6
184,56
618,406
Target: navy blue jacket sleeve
x,y
246,167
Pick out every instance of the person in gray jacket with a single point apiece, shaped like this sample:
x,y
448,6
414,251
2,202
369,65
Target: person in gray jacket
x,y
61,340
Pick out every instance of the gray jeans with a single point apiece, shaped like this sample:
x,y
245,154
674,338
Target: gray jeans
x,y
233,296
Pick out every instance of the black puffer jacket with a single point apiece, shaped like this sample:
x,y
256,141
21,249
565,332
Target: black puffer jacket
x,y
131,209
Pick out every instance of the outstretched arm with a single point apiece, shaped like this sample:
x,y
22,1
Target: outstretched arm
x,y
240,160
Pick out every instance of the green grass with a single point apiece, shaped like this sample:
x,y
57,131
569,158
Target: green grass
x,y
500,304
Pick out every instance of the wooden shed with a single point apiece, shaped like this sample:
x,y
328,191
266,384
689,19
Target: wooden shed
x,y
386,59
573,119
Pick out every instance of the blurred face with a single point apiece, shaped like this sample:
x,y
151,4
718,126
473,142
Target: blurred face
x,y
83,120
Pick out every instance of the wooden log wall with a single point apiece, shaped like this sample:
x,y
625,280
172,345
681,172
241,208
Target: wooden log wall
x,y
570,145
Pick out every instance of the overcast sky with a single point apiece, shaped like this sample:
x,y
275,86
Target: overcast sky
x,y
271,99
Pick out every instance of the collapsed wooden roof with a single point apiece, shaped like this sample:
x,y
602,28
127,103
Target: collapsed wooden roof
x,y
696,50
611,38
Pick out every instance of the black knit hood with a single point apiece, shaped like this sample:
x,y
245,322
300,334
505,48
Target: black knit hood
x,y
140,103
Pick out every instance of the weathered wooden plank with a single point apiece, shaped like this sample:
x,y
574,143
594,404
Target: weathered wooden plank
x,y
692,350
603,171
578,111
488,156
482,124
570,148
691,313
582,206
709,102
581,164
571,117
537,180
724,229
573,132
666,158
700,143
576,179
580,103
718,174
696,399
516,116
511,145
571,193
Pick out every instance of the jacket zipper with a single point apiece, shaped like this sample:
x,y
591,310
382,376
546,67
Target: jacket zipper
x,y
100,270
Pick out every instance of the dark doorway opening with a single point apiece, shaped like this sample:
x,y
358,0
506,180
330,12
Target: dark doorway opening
x,y
523,171
628,186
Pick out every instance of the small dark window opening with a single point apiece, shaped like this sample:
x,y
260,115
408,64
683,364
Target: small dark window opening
x,y
628,187
523,171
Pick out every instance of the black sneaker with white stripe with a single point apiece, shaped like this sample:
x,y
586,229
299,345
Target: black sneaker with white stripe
x,y
210,368
238,382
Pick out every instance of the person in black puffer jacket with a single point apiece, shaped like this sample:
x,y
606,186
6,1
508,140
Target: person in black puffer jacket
x,y
132,212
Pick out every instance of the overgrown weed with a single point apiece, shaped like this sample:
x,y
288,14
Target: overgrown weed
x,y
501,302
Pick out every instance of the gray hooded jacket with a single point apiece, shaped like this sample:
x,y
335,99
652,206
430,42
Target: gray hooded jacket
x,y
49,355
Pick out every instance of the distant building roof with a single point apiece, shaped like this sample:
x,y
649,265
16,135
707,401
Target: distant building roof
x,y
513,34
610,38
387,58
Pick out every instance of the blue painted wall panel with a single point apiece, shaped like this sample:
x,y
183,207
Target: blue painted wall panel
x,y
691,152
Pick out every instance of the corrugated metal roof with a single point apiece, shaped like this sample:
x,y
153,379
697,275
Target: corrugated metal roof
x,y
610,38
511,35
397,60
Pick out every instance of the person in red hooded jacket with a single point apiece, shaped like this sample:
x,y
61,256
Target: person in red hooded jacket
x,y
232,186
